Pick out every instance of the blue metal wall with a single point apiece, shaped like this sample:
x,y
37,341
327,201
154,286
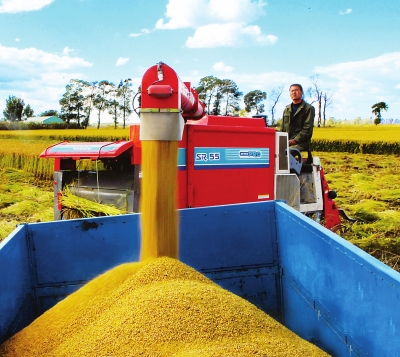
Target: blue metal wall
x,y
235,246
334,294
67,254
321,287
42,263
16,294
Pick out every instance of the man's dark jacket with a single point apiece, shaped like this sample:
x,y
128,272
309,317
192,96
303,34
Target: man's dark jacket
x,y
300,125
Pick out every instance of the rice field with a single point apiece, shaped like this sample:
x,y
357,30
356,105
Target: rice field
x,y
368,185
368,188
367,133
90,134
386,133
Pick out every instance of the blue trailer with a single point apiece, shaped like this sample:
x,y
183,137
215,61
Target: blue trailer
x,y
317,284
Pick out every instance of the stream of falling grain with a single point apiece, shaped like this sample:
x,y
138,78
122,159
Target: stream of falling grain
x,y
158,199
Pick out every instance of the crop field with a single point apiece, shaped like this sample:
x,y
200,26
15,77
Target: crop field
x,y
365,133
368,188
368,184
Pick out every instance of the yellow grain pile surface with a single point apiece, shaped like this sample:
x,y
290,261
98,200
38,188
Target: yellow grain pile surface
x,y
158,307
158,199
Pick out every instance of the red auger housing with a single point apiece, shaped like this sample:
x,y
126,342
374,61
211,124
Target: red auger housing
x,y
166,103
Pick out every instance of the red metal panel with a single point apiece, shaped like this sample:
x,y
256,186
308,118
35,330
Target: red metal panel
x,y
90,150
236,178
331,211
134,136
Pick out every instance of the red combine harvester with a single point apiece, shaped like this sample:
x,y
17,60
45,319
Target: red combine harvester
x,y
222,159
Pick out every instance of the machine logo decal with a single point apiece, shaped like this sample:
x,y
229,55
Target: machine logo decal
x,y
250,153
227,158
200,156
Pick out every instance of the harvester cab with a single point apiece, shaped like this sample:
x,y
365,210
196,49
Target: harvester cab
x,y
221,160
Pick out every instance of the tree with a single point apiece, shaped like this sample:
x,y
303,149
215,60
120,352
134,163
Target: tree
x,y
72,102
230,96
327,101
219,95
28,111
253,99
331,121
274,98
14,109
113,106
89,90
50,113
208,90
377,109
101,98
216,108
124,94
315,93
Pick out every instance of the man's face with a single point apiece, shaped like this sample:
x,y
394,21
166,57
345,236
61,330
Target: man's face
x,y
295,93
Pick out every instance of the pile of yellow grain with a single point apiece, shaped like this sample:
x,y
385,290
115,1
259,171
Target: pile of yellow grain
x,y
156,308
158,199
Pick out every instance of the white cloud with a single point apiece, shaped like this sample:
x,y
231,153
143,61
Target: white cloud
x,y
217,23
222,67
121,61
42,76
67,51
196,13
14,6
29,58
142,32
17,39
386,64
228,35
363,83
236,10
182,14
214,35
348,11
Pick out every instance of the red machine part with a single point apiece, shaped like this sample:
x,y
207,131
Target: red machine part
x,y
87,150
331,211
134,136
163,90
220,183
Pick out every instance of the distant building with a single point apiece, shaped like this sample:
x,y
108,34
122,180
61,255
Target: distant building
x,y
45,120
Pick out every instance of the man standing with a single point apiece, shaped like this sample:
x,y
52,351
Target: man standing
x,y
298,119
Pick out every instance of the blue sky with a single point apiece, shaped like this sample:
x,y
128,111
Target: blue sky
x,y
352,45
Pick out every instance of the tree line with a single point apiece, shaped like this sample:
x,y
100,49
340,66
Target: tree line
x,y
220,96
80,100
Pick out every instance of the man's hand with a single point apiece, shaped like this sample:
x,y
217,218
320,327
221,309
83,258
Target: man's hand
x,y
292,142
